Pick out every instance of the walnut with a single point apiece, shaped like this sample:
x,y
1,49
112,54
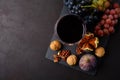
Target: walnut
x,y
56,58
55,45
64,54
100,52
88,42
71,60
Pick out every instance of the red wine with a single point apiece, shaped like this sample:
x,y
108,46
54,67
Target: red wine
x,y
70,28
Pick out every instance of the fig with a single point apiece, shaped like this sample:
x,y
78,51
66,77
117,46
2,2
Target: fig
x,y
87,62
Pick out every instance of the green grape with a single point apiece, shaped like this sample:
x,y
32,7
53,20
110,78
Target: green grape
x,y
94,1
100,2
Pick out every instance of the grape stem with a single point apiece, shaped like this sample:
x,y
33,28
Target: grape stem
x,y
88,6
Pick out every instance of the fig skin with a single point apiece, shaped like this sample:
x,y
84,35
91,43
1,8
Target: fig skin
x,y
87,62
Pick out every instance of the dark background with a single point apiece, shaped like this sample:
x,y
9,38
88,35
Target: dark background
x,y
26,27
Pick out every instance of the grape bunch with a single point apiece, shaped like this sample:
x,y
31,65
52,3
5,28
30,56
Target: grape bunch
x,y
90,15
92,19
107,24
94,16
75,6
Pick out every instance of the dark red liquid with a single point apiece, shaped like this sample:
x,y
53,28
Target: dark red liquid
x,y
70,29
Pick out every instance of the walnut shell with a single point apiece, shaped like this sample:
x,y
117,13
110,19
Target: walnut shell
x,y
55,45
99,52
72,60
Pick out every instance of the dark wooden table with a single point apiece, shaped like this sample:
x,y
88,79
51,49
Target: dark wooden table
x,y
26,27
